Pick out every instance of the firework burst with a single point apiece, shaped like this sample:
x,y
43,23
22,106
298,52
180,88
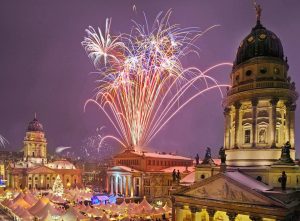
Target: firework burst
x,y
142,82
93,147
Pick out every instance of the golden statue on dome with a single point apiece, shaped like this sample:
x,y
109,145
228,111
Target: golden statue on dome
x,y
258,10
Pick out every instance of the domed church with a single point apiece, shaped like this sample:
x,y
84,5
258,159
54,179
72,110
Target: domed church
x,y
258,178
260,105
34,171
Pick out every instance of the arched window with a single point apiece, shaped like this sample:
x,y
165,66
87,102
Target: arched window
x,y
247,136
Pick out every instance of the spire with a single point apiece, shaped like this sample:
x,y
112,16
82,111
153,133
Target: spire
x,y
34,115
258,10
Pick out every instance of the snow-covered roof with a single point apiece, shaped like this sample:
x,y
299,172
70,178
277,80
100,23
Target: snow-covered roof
x,y
73,214
23,213
188,179
61,164
163,155
30,198
39,205
49,208
248,181
180,168
124,168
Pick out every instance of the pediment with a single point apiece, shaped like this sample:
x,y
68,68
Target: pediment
x,y
122,169
41,170
223,188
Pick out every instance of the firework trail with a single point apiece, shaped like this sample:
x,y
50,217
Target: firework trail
x,y
3,141
142,82
61,149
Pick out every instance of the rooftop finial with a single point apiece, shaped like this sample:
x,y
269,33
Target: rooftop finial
x,y
258,10
34,115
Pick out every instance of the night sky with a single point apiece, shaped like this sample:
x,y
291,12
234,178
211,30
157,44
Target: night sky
x,y
44,68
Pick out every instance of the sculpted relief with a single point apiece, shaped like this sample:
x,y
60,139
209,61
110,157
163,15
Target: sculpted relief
x,y
222,190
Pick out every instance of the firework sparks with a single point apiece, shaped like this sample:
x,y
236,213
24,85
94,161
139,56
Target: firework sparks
x,y
143,82
3,141
94,147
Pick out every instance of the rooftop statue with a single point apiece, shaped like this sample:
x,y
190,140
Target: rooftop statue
x,y
285,157
222,155
207,158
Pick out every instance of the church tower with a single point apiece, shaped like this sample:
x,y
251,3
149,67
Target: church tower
x,y
35,143
260,106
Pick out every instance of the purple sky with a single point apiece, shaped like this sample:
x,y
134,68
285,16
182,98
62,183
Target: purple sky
x,y
44,68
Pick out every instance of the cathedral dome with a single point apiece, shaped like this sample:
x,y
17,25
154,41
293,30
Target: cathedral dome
x,y
35,125
260,42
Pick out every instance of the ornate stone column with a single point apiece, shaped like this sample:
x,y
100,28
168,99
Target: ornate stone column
x,y
287,121
231,216
194,210
255,218
237,107
131,186
121,184
211,214
254,103
111,184
126,186
227,128
178,212
116,184
106,183
292,125
273,102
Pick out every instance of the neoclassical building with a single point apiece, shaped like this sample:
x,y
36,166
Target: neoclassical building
x,y
138,174
259,112
34,171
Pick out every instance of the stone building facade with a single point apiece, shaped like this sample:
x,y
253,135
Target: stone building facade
x,y
136,174
34,171
259,178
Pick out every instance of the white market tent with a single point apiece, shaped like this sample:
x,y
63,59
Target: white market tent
x,y
144,205
105,218
19,196
23,214
30,198
56,199
46,210
72,215
38,206
22,203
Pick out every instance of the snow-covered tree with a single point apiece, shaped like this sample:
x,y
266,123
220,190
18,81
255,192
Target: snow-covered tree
x,y
58,187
